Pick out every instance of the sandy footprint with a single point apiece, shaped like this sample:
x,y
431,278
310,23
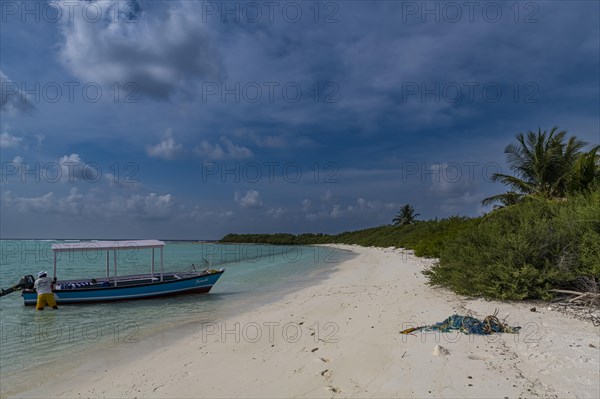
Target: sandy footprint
x,y
333,389
326,373
477,357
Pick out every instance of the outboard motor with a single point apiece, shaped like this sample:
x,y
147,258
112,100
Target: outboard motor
x,y
26,283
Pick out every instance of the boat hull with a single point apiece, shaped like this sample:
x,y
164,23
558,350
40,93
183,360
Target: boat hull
x,y
195,284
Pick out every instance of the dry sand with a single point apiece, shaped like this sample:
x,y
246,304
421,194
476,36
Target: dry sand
x,y
340,338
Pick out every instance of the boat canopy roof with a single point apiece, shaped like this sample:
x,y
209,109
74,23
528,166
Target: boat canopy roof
x,y
106,245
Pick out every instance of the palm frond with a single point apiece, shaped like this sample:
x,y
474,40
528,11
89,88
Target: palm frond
x,y
506,199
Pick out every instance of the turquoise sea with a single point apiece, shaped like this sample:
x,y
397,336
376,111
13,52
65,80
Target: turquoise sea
x,y
255,275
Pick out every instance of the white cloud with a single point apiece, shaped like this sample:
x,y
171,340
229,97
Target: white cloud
x,y
328,196
12,99
235,151
249,200
276,213
42,204
262,140
203,214
158,52
124,180
167,149
149,206
361,209
73,168
363,206
336,212
72,204
9,141
210,151
228,150
306,204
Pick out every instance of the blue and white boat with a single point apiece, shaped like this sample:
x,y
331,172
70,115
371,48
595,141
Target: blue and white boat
x,y
118,288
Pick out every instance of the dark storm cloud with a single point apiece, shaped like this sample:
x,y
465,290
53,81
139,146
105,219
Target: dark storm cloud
x,y
158,53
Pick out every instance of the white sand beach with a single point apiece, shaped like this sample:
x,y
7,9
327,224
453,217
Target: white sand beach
x,y
340,338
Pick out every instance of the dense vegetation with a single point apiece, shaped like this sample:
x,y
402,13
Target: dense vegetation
x,y
523,251
544,234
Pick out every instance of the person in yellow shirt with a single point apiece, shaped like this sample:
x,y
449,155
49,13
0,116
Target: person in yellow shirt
x,y
43,287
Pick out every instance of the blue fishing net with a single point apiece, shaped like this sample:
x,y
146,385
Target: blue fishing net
x,y
471,325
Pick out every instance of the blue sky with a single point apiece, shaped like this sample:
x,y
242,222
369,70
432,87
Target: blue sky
x,y
190,120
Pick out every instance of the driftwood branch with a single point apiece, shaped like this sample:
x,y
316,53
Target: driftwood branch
x,y
567,292
585,298
583,305
581,297
578,295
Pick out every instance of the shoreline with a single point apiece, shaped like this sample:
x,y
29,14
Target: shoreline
x,y
339,338
136,339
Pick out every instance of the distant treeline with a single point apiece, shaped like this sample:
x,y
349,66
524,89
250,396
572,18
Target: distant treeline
x,y
516,252
427,238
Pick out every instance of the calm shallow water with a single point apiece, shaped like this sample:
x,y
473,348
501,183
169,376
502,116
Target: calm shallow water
x,y
255,274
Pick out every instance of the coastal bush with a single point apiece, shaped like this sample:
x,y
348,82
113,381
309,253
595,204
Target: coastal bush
x,y
522,251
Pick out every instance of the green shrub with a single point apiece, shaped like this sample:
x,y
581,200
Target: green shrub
x,y
522,251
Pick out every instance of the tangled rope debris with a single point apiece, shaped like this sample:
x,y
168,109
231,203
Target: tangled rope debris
x,y
469,325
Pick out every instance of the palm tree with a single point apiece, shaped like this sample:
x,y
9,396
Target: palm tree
x,y
586,171
406,215
543,165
